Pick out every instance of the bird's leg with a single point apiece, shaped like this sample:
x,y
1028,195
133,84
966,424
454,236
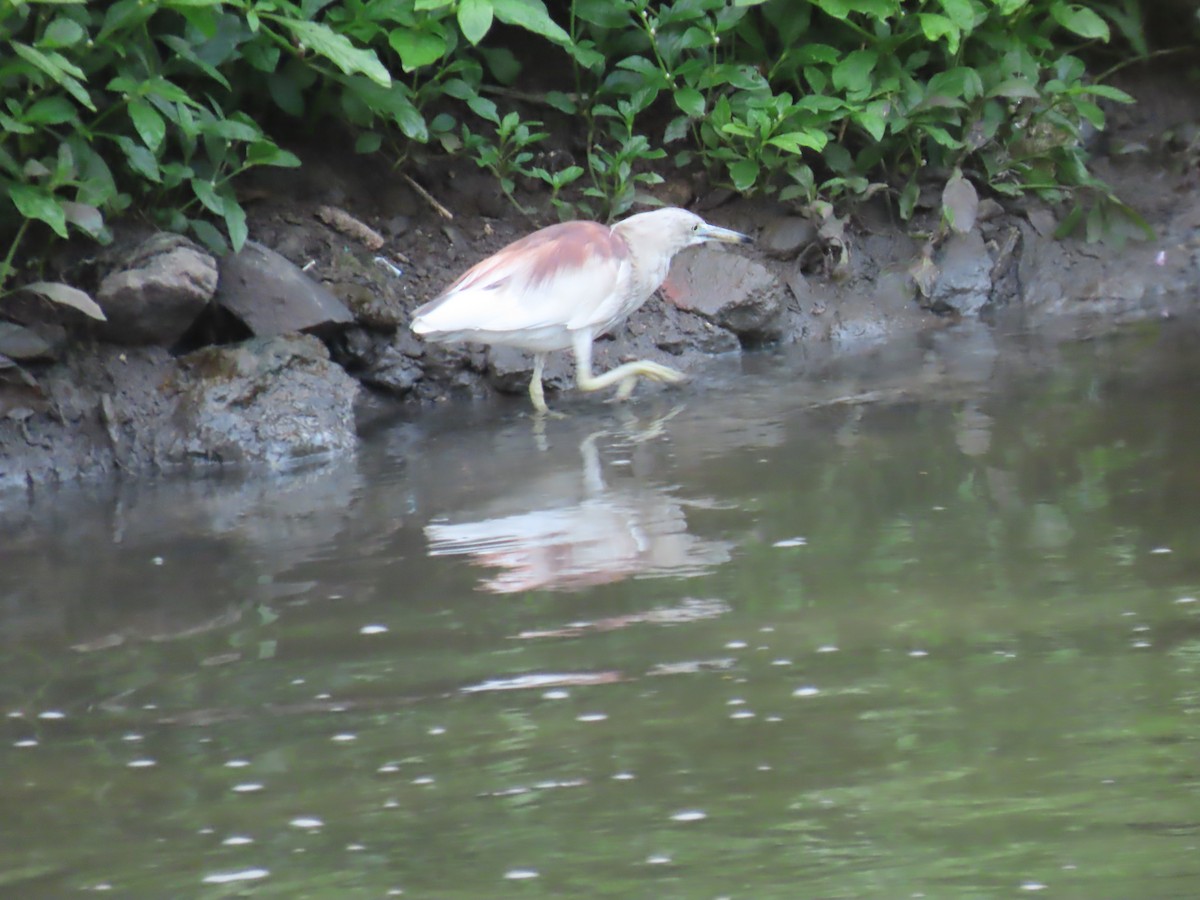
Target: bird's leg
x,y
536,393
624,376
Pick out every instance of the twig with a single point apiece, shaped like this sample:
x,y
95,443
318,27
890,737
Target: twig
x,y
429,198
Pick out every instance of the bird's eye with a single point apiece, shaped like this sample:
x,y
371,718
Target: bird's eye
x,y
696,227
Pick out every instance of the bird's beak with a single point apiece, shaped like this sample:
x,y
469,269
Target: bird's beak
x,y
727,235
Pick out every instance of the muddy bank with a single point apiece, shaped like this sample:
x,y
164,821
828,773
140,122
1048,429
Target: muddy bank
x,y
276,357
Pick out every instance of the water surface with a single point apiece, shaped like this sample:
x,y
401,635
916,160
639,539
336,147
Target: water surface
x,y
923,623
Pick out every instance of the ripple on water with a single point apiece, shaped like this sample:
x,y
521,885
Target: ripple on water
x,y
689,815
521,874
306,822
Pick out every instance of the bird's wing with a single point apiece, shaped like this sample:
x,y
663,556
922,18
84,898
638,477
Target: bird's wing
x,y
552,278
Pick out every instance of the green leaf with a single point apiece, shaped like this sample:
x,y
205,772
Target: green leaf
x,y
1016,89
795,141
62,32
1080,20
235,223
38,203
936,27
368,142
50,111
417,48
265,153
206,193
744,174
149,124
338,49
533,17
1107,92
65,74
690,101
961,13
853,74
474,19
484,108
209,235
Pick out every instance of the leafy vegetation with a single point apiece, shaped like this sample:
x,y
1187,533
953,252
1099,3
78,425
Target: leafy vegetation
x,y
158,105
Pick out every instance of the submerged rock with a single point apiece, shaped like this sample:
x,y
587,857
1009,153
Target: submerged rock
x,y
276,400
158,293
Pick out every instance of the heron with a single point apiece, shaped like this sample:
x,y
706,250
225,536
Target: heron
x,y
565,285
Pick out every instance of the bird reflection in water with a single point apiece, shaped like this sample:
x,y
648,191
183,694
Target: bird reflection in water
x,y
595,536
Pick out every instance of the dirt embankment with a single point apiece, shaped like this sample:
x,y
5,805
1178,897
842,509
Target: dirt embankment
x,y
266,358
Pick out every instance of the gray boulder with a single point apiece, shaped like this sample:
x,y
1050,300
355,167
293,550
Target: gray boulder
x,y
277,401
272,296
157,293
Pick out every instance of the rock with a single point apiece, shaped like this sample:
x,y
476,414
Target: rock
x,y
509,370
158,293
275,400
730,290
20,343
786,236
272,296
965,282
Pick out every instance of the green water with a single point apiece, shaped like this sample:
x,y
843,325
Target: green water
x,y
922,624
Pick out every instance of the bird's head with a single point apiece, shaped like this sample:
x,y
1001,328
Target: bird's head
x,y
669,230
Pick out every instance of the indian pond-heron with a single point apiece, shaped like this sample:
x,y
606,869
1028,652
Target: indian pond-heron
x,y
565,285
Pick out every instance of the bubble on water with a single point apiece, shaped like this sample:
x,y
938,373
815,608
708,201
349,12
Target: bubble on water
x,y
807,691
26,742
102,886
52,714
591,717
141,763
296,681
781,662
1186,600
373,629
556,695
344,738
132,737
1141,645
735,701
248,787
354,848
689,815
735,645
423,779
18,714
396,892
237,763
938,508
658,859
207,831
763,767
520,874
237,840
742,714
1032,886
391,804
306,822
158,560
917,654
1161,551
437,729
388,768
230,877
624,776
773,719
323,696
827,648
